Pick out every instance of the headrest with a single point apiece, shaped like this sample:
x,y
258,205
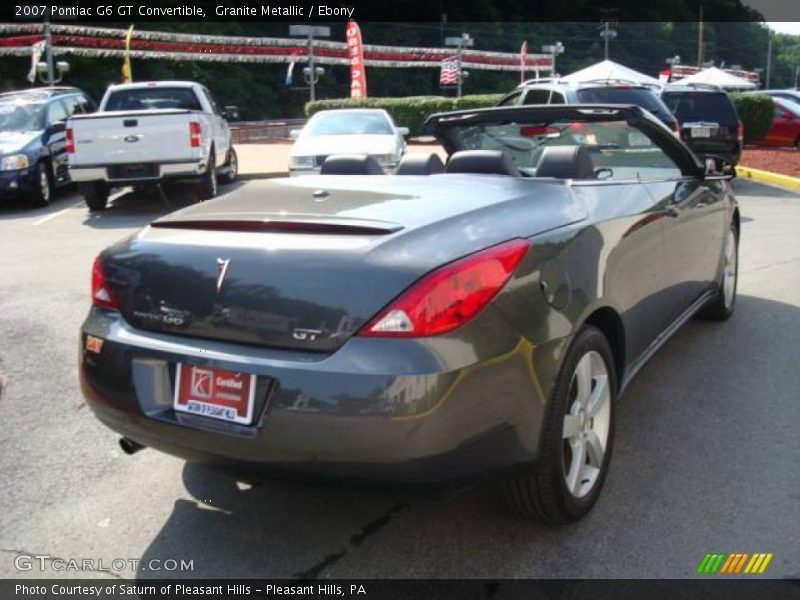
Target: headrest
x,y
420,164
351,164
565,162
489,162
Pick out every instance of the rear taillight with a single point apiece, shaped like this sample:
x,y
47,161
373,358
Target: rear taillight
x,y
69,140
740,131
194,134
102,296
449,296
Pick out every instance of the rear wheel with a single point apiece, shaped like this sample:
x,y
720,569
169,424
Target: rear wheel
x,y
578,436
208,185
232,167
95,193
42,186
724,303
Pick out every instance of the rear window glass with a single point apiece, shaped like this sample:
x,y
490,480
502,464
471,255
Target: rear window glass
x,y
703,106
620,95
151,98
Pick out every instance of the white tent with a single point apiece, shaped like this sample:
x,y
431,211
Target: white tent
x,y
608,70
715,76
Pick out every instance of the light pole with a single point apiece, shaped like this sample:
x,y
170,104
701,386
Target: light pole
x,y
311,72
464,41
607,34
554,50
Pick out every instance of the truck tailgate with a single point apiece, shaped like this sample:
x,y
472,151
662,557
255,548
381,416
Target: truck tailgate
x,y
120,137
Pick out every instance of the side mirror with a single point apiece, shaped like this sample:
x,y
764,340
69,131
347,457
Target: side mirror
x,y
404,131
294,134
231,112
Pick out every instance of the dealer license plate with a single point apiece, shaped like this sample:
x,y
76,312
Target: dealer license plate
x,y
701,132
214,393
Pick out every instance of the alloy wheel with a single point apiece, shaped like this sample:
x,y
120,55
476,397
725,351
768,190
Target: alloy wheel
x,y
586,424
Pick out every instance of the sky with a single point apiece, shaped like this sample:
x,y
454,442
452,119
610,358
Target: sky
x,y
785,27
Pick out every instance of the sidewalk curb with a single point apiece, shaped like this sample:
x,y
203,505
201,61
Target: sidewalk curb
x,y
768,177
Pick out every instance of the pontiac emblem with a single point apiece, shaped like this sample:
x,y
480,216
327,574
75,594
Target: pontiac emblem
x,y
222,268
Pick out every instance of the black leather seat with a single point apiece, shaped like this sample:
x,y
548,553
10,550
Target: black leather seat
x,y
565,162
487,162
420,164
351,164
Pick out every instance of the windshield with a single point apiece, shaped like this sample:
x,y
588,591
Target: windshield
x,y
622,151
621,95
16,115
151,98
348,123
701,106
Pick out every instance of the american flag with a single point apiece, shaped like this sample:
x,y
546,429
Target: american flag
x,y
449,74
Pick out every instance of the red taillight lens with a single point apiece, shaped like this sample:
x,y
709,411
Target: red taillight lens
x,y
449,296
740,131
69,140
102,296
194,134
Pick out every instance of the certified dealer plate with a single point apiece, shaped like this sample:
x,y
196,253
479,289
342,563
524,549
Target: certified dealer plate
x,y
214,393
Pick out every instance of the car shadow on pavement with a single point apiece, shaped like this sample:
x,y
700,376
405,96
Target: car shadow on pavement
x,y
705,440
138,208
748,187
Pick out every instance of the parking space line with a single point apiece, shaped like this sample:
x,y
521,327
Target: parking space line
x,y
55,214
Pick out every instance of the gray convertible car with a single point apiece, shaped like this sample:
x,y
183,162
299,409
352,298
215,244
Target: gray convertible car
x,y
478,318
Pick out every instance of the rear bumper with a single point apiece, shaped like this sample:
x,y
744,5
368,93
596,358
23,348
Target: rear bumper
x,y
399,413
730,151
171,170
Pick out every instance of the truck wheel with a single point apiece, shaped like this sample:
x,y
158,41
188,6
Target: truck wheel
x,y
42,186
232,167
95,193
208,185
577,439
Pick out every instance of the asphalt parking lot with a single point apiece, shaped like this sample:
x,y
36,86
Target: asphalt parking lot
x,y
706,455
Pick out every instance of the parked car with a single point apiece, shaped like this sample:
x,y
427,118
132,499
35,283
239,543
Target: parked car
x,y
362,131
151,132
785,127
558,91
417,327
708,119
33,158
793,95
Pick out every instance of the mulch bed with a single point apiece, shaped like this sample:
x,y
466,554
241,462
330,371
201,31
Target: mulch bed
x,y
778,160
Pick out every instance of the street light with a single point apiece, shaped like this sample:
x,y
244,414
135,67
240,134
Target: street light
x,y
311,73
464,41
673,60
554,50
45,72
607,34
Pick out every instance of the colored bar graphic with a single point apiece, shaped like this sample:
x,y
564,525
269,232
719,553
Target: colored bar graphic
x,y
734,563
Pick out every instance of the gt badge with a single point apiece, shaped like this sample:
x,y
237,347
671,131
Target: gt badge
x,y
222,268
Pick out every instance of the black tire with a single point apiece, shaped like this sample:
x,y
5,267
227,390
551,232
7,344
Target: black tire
x,y
232,168
208,185
95,194
42,188
544,494
721,307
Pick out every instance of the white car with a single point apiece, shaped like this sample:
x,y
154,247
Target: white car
x,y
347,131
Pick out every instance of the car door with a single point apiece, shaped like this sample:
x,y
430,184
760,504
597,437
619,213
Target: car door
x,y
53,140
219,125
780,132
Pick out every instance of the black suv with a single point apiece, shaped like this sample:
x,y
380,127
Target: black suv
x,y
710,124
33,157
606,91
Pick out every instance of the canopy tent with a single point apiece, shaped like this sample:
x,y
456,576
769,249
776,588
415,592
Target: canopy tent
x,y
715,76
609,70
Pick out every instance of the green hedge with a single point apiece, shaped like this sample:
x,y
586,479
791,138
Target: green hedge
x,y
408,112
756,112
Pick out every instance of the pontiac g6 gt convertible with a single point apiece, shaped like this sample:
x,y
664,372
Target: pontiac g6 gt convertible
x,y
448,322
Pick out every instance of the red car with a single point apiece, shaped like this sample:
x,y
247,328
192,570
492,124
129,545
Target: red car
x,y
785,128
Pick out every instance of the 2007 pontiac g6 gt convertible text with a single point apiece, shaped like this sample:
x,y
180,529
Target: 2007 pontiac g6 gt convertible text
x,y
433,326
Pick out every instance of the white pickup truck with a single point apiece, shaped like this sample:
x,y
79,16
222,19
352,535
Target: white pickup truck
x,y
151,132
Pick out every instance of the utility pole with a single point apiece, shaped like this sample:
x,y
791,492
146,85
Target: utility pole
x,y
769,57
465,41
607,34
48,50
700,52
311,72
